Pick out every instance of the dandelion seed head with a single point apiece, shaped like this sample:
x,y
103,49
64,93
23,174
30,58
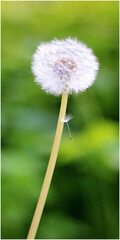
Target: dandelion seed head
x,y
64,66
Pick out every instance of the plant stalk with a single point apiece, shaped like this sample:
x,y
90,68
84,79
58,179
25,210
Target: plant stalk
x,y
50,170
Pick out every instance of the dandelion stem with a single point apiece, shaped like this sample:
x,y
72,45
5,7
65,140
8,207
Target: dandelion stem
x,y
50,170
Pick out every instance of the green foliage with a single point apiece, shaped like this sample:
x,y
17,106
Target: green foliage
x,y
83,198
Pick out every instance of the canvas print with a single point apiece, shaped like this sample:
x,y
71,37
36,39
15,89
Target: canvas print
x,y
59,166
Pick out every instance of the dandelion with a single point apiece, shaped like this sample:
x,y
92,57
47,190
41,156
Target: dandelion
x,y
64,66
60,67
66,120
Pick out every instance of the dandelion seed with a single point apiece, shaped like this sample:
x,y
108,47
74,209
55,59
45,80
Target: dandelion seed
x,y
66,120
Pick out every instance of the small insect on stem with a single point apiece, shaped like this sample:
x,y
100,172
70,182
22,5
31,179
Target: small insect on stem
x,y
66,120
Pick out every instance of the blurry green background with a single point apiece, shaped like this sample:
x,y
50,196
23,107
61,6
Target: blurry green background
x,y
83,197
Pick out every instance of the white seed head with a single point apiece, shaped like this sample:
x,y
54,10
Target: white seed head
x,y
64,66
67,118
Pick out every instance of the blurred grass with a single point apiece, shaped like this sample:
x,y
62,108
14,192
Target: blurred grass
x,y
83,198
